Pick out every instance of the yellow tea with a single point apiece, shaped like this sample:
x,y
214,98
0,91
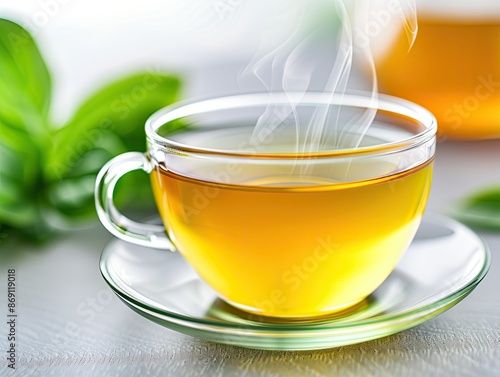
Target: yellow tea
x,y
453,69
293,249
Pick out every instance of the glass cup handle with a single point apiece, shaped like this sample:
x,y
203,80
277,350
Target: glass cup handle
x,y
118,224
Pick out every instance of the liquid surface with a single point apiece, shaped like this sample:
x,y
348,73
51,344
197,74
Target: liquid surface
x,y
293,250
453,69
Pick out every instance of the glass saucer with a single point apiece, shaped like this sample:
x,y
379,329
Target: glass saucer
x,y
444,263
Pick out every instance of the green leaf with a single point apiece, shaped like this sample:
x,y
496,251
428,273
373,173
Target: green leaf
x,y
25,87
109,123
480,210
19,175
118,110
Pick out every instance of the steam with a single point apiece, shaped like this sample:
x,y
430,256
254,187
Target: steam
x,y
409,16
317,132
289,67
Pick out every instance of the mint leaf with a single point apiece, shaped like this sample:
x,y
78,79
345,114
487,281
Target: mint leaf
x,y
480,210
113,119
25,90
107,124
16,206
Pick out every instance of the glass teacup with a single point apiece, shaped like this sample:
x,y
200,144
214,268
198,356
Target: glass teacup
x,y
283,219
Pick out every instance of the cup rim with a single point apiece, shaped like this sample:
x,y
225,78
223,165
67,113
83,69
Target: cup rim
x,y
363,99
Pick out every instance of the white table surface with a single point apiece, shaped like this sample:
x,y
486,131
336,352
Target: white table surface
x,y
70,324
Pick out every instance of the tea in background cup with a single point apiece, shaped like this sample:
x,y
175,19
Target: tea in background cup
x,y
277,223
453,68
